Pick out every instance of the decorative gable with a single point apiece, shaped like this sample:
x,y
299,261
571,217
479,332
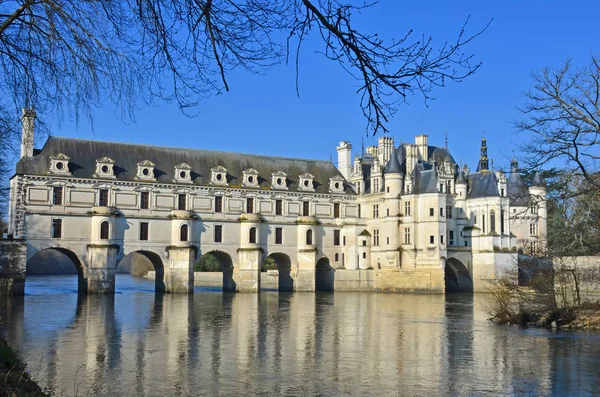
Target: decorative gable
x,y
183,173
59,165
145,171
105,168
306,182
250,178
336,184
279,180
219,176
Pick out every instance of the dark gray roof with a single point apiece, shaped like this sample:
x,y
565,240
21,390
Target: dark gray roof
x,y
439,155
84,153
518,193
483,184
425,180
393,165
460,179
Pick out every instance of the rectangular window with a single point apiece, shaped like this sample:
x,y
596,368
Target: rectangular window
x,y
376,238
250,205
57,195
441,188
344,240
376,211
441,239
407,235
181,202
449,212
218,203
278,235
532,229
451,237
448,186
218,233
432,239
442,211
388,212
388,240
103,198
305,208
144,200
407,208
359,214
364,255
336,237
56,228
431,212
502,192
278,207
336,210
144,231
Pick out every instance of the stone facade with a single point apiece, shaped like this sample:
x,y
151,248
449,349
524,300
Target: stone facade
x,y
407,212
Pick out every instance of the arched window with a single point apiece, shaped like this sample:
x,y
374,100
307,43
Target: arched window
x,y
309,237
492,221
502,221
475,218
252,235
183,233
104,230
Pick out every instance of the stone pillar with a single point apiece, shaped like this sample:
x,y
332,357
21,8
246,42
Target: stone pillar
x,y
179,277
102,268
249,254
307,254
13,261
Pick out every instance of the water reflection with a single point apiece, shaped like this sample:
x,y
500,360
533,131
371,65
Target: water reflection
x,y
140,343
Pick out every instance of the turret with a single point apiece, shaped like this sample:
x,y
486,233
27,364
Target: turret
x,y
357,176
461,185
393,176
27,121
344,151
537,190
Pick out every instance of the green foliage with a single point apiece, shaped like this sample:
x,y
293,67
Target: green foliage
x,y
208,263
268,264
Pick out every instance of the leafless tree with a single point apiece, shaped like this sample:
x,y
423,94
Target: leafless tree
x,y
562,119
70,56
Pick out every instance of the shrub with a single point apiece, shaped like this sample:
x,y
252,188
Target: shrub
x,y
208,263
268,264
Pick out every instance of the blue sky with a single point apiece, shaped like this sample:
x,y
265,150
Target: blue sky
x,y
262,114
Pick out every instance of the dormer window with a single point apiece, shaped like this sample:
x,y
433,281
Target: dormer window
x,y
279,180
306,182
219,176
336,184
59,164
105,168
183,173
145,171
251,178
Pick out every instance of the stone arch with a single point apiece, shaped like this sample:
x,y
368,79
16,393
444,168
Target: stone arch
x,y
56,253
226,263
149,257
284,267
324,275
457,277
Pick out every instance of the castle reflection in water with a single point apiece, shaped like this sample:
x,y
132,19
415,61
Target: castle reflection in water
x,y
210,343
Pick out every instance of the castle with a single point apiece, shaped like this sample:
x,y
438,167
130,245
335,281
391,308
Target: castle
x,y
393,218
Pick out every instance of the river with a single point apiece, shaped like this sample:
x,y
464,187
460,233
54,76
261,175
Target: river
x,y
137,343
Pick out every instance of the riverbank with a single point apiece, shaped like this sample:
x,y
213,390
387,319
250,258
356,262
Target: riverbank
x,y
585,318
14,378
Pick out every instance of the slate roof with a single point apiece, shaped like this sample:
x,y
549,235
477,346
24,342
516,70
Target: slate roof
x,y
84,153
483,184
518,193
425,179
393,164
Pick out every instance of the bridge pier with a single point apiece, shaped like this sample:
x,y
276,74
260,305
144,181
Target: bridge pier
x,y
180,275
13,260
249,263
101,271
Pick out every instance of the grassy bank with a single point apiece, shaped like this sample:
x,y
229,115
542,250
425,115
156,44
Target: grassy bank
x,y
14,379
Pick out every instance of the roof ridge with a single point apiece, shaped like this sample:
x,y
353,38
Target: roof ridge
x,y
185,149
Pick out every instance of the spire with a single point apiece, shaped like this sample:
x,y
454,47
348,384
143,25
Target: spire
x,y
514,164
483,160
446,140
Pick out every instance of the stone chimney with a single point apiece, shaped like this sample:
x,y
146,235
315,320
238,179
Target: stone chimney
x,y
27,121
422,147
